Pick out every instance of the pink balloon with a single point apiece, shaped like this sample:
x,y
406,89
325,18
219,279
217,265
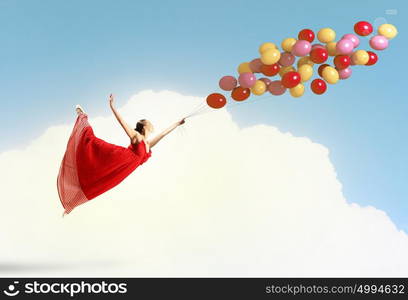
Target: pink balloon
x,y
267,81
317,46
353,38
228,83
345,73
286,59
256,65
276,88
247,80
344,46
301,48
378,42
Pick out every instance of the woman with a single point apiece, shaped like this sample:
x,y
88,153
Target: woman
x,y
91,166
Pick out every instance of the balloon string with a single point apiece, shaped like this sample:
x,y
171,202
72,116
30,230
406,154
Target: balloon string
x,y
200,111
204,107
197,110
199,106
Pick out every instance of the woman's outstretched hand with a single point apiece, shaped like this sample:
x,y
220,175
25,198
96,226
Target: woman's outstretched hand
x,y
182,121
111,99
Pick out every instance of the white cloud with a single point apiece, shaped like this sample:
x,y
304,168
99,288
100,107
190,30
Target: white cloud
x,y
213,200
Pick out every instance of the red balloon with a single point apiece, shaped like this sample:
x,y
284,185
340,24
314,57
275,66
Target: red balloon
x,y
319,55
318,86
320,69
239,93
372,58
307,35
342,61
363,28
291,79
216,100
270,70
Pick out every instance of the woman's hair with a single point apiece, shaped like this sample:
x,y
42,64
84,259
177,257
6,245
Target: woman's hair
x,y
140,126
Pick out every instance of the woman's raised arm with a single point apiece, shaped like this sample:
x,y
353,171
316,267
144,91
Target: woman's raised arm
x,y
129,130
157,138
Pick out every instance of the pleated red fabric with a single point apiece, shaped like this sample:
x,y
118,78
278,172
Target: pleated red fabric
x,y
91,166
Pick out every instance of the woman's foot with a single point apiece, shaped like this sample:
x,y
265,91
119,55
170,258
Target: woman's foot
x,y
79,109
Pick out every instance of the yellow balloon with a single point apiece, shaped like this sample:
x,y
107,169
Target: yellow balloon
x,y
330,74
331,48
285,70
360,57
266,46
259,88
326,35
306,72
305,60
388,30
244,67
298,90
270,56
287,44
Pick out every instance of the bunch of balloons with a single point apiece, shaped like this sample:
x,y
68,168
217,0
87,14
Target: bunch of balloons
x,y
274,62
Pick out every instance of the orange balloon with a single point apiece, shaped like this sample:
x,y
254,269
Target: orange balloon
x,y
240,94
216,100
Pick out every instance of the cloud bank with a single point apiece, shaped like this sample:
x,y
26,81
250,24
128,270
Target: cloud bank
x,y
213,200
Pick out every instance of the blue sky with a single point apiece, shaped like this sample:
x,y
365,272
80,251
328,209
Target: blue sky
x,y
59,53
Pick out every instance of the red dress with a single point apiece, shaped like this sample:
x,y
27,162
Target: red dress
x,y
92,166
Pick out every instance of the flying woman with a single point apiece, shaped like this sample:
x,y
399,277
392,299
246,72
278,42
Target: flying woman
x,y
91,166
